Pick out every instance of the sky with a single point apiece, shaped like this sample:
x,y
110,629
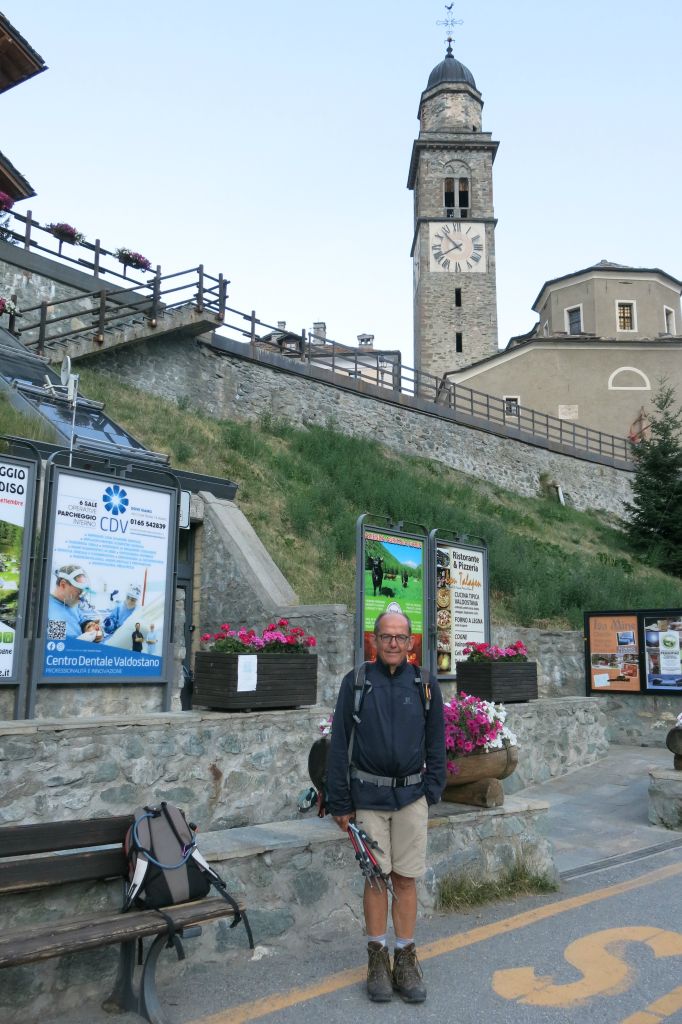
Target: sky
x,y
271,142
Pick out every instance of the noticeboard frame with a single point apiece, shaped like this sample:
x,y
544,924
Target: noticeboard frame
x,y
20,646
136,481
394,533
611,660
463,543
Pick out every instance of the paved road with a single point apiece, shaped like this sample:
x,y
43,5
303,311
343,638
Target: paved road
x,y
606,949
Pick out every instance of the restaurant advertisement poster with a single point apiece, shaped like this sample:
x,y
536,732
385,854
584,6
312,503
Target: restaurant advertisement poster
x,y
613,653
16,506
461,602
109,570
393,581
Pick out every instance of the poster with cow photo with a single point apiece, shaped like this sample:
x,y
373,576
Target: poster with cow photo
x,y
393,580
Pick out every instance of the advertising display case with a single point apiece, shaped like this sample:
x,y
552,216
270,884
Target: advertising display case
x,y
393,577
108,576
460,611
634,651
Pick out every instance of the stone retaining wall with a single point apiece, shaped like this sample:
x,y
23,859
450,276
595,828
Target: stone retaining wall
x,y
235,385
229,769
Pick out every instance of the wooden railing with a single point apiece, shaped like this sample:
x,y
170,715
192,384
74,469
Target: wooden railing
x,y
113,309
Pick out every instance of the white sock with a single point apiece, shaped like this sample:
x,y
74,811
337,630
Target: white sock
x,y
381,939
401,943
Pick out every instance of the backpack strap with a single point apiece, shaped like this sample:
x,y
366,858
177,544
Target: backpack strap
x,y
421,678
360,689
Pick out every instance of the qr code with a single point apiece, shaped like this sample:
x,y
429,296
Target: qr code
x,y
56,629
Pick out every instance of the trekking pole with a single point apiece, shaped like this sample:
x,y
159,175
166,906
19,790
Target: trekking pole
x,y
369,865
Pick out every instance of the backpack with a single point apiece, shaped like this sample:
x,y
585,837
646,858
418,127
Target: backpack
x,y
165,867
317,757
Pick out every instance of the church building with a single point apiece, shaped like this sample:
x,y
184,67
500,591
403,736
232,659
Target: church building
x,y
453,248
606,336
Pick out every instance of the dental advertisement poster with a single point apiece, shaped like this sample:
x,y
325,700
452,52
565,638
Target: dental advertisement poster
x,y
109,570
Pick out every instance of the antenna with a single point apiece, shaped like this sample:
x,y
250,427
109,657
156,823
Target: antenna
x,y
65,370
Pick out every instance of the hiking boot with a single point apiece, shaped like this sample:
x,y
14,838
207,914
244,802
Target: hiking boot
x,y
407,975
379,985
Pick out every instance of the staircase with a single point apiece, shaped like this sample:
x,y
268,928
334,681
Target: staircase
x,y
83,324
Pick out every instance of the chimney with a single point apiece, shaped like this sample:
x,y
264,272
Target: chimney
x,y
366,340
320,330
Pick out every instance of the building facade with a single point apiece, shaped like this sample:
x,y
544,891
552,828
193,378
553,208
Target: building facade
x,y
606,337
453,248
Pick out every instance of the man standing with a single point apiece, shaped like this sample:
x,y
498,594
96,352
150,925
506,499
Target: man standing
x,y
397,769
150,640
138,638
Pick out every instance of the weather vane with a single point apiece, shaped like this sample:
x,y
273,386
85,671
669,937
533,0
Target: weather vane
x,y
449,23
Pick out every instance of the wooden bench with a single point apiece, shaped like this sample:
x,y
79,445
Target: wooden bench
x,y
33,857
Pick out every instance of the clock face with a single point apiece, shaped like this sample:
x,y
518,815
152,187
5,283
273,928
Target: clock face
x,y
458,247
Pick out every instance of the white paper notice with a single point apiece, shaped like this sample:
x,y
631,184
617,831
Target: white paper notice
x,y
247,672
601,679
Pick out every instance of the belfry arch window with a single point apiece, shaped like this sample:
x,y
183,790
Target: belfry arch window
x,y
449,197
463,196
456,197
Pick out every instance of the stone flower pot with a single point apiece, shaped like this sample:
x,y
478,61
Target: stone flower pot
x,y
506,682
282,681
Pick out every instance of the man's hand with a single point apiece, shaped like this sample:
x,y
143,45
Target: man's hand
x,y
342,821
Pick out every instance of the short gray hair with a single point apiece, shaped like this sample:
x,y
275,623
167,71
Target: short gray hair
x,y
377,624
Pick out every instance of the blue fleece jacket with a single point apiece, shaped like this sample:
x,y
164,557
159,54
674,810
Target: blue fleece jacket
x,y
394,738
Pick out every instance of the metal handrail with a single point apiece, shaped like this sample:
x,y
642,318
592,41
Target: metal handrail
x,y
109,311
465,403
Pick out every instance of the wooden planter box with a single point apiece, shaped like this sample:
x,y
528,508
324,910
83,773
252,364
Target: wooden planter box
x,y
507,682
283,681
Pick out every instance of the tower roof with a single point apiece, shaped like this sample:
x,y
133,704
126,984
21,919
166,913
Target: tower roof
x,y
450,70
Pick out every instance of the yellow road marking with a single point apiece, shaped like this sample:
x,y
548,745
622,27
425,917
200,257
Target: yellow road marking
x,y
659,1010
334,982
603,973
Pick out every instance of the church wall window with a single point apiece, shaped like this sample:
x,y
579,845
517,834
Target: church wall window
x,y
628,378
458,297
512,404
626,316
669,320
573,319
458,342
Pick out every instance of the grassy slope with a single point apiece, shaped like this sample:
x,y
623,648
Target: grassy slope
x,y
303,489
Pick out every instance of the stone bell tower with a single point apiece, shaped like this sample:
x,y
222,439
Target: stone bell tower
x,y
453,249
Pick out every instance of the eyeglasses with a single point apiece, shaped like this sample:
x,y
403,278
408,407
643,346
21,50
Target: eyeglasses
x,y
400,638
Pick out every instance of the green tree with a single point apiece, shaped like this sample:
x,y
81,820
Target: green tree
x,y
654,523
